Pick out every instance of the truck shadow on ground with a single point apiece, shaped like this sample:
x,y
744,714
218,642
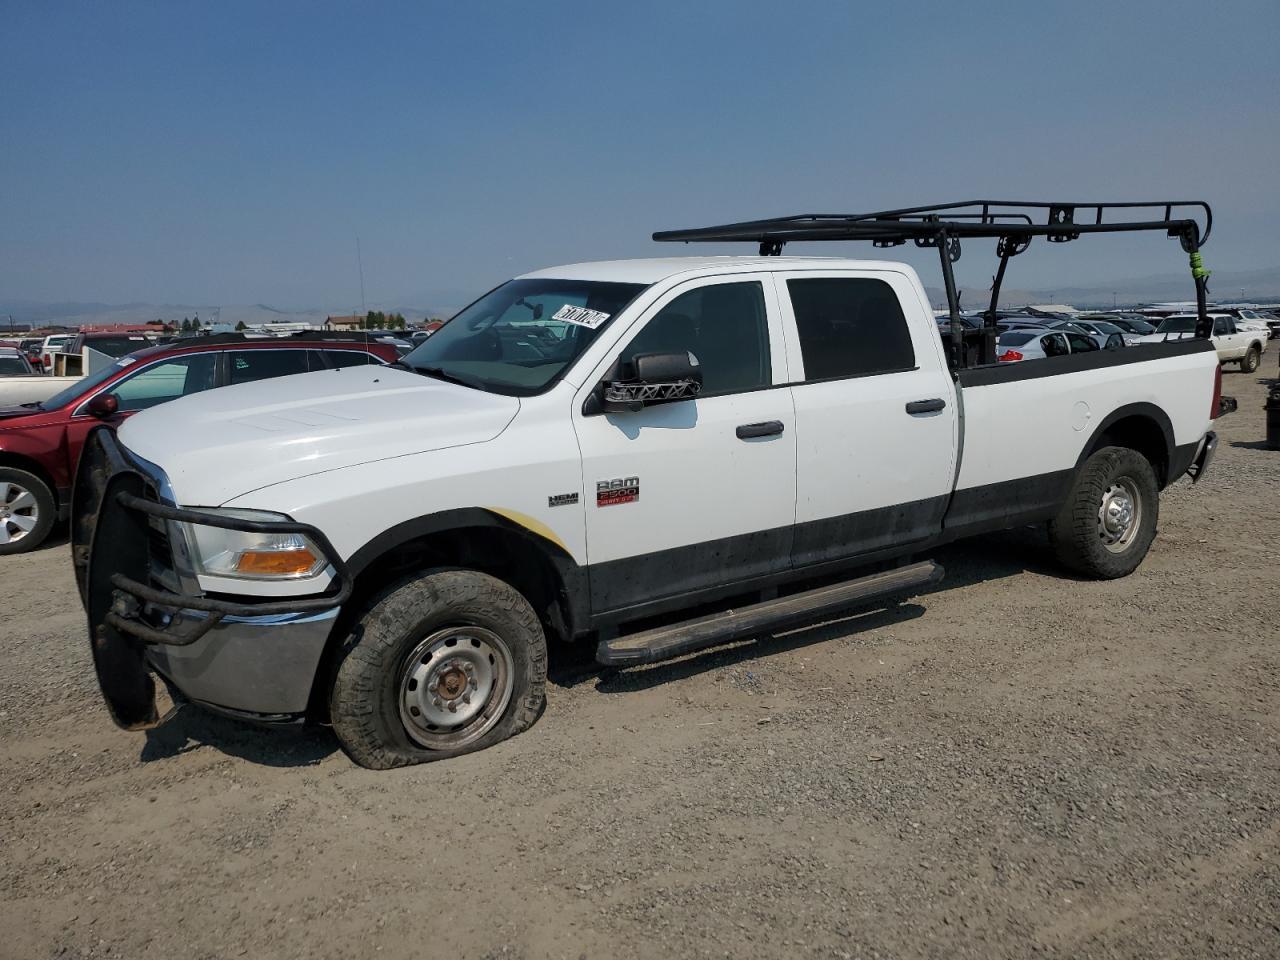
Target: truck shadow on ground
x,y
992,557
192,728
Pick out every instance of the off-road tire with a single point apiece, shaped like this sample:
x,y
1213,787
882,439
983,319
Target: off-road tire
x,y
363,702
46,510
1249,362
1074,532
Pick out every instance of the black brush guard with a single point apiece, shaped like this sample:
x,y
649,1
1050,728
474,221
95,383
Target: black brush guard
x,y
112,505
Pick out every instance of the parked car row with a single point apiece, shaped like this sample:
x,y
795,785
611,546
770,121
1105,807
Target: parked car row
x,y
40,441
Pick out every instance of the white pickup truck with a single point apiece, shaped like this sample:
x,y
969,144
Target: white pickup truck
x,y
587,446
1233,344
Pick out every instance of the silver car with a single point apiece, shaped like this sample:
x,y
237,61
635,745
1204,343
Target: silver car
x,y
1030,343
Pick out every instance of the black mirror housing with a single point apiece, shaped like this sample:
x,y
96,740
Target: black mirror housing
x,y
659,378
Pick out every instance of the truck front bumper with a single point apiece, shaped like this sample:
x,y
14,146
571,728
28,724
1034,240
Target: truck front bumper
x,y
256,658
258,667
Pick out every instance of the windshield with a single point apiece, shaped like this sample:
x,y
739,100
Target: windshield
x,y
1177,325
1102,326
76,390
520,338
11,366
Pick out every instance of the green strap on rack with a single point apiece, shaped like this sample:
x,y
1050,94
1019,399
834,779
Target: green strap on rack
x,y
1197,267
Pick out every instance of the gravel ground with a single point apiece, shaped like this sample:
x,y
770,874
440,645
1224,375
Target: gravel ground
x,y
1017,763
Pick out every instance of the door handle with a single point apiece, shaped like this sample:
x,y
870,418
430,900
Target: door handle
x,y
926,406
769,428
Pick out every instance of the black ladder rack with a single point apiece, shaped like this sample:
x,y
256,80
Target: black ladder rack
x,y
1012,223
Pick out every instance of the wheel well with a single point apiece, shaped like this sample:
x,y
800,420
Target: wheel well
x,y
1142,434
497,551
18,462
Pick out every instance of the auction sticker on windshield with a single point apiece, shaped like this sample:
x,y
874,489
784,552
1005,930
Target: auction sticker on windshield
x,y
580,315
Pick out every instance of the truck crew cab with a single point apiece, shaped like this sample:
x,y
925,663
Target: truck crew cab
x,y
585,446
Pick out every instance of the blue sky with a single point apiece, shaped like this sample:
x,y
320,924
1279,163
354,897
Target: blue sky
x,y
230,152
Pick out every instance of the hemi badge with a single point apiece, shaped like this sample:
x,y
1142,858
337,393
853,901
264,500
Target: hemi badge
x,y
562,499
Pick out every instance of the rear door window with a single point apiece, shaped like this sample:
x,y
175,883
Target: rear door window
x,y
246,366
1054,345
1080,343
849,327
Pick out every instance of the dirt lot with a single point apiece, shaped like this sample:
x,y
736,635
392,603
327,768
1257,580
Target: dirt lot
x,y
1015,764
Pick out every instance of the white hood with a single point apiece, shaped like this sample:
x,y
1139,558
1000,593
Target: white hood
x,y
218,445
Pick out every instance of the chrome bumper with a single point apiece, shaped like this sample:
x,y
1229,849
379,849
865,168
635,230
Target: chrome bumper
x,y
1204,456
258,666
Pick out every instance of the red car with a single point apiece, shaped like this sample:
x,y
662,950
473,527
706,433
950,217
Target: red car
x,y
40,442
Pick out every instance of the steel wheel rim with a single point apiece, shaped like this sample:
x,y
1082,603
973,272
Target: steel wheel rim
x,y
19,512
1119,515
455,686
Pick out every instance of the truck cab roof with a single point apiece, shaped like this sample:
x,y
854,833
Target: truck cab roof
x,y
653,270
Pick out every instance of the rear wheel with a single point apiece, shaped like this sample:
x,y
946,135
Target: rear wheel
x,y
1108,521
27,510
1249,362
443,663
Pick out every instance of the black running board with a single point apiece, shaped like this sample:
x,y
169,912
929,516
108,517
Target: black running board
x,y
677,639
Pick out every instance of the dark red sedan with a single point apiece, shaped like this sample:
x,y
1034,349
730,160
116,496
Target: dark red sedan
x,y
40,442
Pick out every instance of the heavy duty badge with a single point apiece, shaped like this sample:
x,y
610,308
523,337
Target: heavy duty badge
x,y
621,490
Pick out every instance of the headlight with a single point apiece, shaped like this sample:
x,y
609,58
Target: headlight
x,y
252,556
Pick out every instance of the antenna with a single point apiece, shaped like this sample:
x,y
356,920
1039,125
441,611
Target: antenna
x,y
364,311
360,265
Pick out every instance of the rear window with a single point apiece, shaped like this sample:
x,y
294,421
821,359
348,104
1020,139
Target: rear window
x,y
117,346
850,327
1177,325
1016,339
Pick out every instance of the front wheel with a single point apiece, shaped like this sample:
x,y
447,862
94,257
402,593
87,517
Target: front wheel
x,y
1249,362
444,663
1108,521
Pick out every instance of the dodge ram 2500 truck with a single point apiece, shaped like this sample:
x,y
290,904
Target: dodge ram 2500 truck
x,y
392,548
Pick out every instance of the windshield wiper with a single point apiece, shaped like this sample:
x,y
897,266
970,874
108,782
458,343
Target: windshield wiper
x,y
33,404
440,374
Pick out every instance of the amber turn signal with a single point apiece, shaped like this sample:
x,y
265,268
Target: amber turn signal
x,y
275,563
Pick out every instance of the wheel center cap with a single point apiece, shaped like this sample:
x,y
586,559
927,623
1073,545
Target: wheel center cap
x,y
1119,513
452,682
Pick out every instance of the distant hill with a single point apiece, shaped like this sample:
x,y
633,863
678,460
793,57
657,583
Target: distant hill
x,y
1224,286
75,314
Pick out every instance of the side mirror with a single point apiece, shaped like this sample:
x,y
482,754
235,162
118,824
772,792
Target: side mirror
x,y
659,378
104,405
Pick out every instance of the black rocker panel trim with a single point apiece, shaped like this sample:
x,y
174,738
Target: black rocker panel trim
x,y
688,570
1010,503
1077,362
834,538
